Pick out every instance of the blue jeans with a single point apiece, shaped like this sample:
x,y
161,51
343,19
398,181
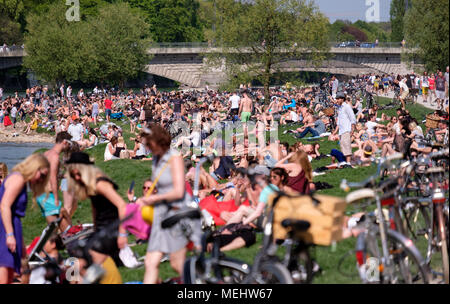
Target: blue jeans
x,y
313,132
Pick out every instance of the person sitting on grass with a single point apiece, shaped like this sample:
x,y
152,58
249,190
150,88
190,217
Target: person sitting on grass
x,y
316,127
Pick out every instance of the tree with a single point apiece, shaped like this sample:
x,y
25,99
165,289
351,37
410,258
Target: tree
x,y
255,39
9,31
398,8
109,46
171,20
117,43
427,29
52,44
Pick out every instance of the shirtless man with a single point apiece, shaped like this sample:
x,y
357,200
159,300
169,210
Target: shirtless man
x,y
245,108
49,203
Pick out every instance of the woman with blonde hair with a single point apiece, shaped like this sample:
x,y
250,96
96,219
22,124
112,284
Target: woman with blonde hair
x,y
88,181
299,170
34,171
3,172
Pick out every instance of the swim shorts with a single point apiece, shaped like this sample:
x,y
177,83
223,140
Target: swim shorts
x,y
47,204
245,116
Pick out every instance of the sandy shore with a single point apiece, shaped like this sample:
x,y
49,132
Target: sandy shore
x,y
18,136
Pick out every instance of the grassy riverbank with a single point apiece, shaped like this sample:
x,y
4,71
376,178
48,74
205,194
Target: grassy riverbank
x,y
124,171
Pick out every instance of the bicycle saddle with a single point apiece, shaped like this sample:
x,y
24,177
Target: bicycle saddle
x,y
297,225
185,213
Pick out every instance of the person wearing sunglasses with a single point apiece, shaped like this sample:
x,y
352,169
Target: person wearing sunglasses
x,y
34,171
88,181
168,172
145,188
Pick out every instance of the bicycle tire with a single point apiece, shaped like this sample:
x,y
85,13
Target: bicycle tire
x,y
270,272
402,253
444,244
193,272
416,232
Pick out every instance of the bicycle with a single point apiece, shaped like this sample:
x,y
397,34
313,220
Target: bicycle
x,y
297,265
201,269
399,261
431,206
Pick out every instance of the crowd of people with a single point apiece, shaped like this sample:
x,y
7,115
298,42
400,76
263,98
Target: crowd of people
x,y
175,129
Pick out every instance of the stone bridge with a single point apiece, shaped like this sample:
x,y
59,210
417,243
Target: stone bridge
x,y
186,64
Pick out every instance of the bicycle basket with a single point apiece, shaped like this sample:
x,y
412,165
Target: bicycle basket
x,y
432,121
326,218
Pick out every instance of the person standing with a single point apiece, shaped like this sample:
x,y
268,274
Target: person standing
x,y
49,202
245,108
425,87
234,100
446,75
61,91
440,89
334,86
34,171
108,108
169,176
346,122
404,91
13,114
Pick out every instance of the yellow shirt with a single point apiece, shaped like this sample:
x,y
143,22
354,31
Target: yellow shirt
x,y
112,275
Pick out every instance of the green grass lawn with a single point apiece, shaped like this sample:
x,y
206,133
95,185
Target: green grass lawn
x,y
124,171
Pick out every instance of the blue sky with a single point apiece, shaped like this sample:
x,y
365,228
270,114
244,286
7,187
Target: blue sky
x,y
352,9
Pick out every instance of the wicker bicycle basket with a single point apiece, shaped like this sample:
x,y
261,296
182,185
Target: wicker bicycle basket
x,y
329,111
326,218
432,121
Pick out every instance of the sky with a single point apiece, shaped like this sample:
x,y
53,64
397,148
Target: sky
x,y
353,10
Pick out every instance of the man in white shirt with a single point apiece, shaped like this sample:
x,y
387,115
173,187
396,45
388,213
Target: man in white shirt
x,y
334,86
346,122
69,92
14,115
404,91
234,100
76,130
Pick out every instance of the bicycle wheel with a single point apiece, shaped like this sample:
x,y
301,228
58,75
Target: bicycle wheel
x,y
231,271
224,271
419,228
407,264
442,236
271,272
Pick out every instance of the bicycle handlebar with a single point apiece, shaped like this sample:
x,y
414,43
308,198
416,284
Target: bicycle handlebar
x,y
370,181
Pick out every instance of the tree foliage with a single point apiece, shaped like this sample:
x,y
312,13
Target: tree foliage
x,y
109,46
254,39
9,31
397,12
361,30
427,29
172,20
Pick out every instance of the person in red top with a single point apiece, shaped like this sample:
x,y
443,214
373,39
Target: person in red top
x,y
108,108
432,83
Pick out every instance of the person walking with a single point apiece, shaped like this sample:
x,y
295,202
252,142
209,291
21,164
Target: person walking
x,y
169,176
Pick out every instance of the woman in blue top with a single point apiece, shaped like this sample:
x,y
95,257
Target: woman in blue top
x,y
13,203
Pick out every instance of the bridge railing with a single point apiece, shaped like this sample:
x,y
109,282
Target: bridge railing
x,y
346,44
